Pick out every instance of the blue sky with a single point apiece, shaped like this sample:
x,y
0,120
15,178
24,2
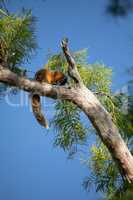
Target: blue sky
x,y
30,167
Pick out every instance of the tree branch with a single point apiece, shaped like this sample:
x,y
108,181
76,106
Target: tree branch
x,y
43,89
72,68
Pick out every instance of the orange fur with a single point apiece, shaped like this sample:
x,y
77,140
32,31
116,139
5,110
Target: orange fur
x,y
47,76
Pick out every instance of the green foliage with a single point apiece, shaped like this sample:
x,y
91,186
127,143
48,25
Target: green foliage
x,y
17,38
129,117
3,8
2,12
103,172
123,193
57,62
68,127
114,105
96,77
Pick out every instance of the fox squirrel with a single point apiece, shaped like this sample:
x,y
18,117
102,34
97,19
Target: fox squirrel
x,y
47,76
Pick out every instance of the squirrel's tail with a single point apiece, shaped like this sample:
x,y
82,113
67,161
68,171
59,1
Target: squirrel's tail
x,y
36,108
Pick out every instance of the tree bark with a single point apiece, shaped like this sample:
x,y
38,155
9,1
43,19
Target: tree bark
x,y
85,100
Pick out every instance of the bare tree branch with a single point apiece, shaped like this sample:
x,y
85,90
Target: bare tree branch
x,y
72,68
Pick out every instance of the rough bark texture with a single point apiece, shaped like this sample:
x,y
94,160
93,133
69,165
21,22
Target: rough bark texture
x,y
87,101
